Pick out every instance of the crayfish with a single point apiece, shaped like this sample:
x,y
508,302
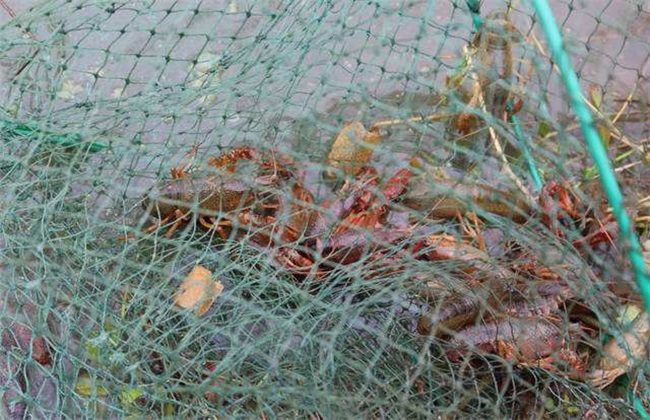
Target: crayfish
x,y
518,312
241,190
258,197
520,322
248,194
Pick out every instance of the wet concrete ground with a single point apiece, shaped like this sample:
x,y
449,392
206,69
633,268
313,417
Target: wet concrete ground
x,y
268,71
307,56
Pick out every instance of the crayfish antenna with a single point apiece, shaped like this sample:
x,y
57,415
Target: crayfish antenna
x,y
126,237
182,170
180,218
217,227
154,226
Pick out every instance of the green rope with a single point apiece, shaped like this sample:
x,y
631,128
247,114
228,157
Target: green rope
x,y
67,140
474,7
595,145
598,152
638,404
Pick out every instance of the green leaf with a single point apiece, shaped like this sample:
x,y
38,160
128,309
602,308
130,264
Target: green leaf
x,y
544,129
96,347
87,386
92,352
627,315
573,410
596,96
591,173
129,397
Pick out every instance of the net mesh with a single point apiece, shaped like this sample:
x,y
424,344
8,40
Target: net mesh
x,y
396,208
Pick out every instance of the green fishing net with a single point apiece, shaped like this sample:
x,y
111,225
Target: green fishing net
x,y
414,228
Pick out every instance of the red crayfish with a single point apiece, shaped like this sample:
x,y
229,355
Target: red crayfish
x,y
249,195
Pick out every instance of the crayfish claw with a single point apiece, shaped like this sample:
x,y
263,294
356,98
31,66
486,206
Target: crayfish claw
x,y
205,223
180,217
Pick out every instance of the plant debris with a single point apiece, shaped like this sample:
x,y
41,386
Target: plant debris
x,y
198,291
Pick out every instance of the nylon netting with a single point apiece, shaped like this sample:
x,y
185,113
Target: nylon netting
x,y
450,254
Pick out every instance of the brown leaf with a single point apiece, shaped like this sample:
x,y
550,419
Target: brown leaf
x,y
605,135
41,351
466,123
621,356
352,148
198,291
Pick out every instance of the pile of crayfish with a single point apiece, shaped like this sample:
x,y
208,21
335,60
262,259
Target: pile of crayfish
x,y
249,195
515,312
